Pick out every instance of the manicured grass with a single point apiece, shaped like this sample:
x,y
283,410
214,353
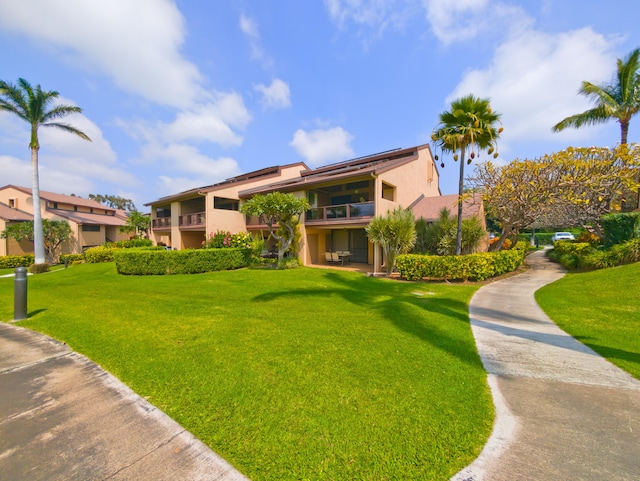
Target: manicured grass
x,y
298,374
601,309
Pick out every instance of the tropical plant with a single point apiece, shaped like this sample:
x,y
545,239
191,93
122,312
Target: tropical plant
x,y
35,106
619,99
53,233
280,212
439,237
395,232
138,223
468,128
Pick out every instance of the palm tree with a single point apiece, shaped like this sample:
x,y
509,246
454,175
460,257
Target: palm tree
x,y
34,106
396,233
618,100
469,125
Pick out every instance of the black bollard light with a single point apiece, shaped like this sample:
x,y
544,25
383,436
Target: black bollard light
x,y
20,294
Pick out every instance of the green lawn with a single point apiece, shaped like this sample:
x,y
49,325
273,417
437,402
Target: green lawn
x,y
297,374
601,309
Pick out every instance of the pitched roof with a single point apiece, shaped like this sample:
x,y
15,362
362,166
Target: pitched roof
x,y
370,164
94,219
429,208
9,213
61,198
238,179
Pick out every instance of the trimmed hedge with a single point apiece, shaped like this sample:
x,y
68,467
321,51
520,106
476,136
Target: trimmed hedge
x,y
99,254
130,243
620,227
10,262
71,258
475,267
140,262
580,255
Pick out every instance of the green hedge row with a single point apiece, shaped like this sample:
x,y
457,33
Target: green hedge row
x,y
573,255
71,257
140,262
106,254
475,267
129,243
10,262
543,238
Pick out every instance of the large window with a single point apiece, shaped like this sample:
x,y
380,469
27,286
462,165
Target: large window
x,y
226,204
162,212
90,228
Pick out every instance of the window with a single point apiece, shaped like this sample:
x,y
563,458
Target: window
x,y
388,192
90,228
13,203
163,212
226,204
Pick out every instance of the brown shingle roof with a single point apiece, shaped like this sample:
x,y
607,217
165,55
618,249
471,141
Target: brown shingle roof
x,y
429,208
9,213
62,198
87,218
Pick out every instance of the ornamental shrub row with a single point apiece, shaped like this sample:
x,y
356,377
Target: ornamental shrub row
x,y
71,258
140,262
10,262
620,227
129,243
573,255
475,267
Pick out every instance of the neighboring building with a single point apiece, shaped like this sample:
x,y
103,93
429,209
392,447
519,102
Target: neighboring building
x,y
92,223
344,197
428,208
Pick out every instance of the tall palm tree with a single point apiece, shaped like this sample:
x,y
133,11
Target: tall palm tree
x,y
469,127
618,100
35,106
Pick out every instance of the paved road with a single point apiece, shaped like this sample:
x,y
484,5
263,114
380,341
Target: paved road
x,y
63,418
563,411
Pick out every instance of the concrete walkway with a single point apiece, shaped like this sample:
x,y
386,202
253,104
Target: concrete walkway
x,y
562,411
63,418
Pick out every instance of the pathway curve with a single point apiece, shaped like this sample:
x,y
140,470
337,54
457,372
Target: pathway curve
x,y
563,412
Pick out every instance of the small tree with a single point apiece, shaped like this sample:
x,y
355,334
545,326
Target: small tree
x,y
138,223
54,232
396,233
439,237
281,210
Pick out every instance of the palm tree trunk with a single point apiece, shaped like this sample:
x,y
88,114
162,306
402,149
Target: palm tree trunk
x,y
624,131
460,192
38,238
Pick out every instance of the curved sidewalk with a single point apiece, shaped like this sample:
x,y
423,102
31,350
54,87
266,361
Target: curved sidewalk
x,y
64,418
562,411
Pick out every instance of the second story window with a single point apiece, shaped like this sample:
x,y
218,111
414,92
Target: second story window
x,y
388,192
226,204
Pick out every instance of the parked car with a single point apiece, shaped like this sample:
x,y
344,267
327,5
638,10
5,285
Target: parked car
x,y
562,236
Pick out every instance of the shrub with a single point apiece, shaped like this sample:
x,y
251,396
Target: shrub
x,y
11,262
99,254
71,258
227,240
476,267
191,261
129,243
589,238
39,268
619,227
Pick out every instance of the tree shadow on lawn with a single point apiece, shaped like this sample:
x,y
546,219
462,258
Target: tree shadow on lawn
x,y
398,305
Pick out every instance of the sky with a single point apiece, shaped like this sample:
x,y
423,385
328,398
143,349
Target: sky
x,y
187,93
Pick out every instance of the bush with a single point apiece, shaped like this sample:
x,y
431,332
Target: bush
x,y
475,267
620,227
227,240
11,262
71,258
99,254
192,261
39,268
129,243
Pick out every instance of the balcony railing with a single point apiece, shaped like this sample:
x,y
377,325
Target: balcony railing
x,y
196,219
161,222
355,211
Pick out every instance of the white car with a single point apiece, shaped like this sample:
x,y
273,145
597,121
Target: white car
x,y
563,236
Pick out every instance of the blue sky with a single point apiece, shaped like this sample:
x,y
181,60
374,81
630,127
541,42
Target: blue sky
x,y
183,94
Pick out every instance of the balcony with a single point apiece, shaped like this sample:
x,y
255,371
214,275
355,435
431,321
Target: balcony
x,y
161,223
197,219
358,211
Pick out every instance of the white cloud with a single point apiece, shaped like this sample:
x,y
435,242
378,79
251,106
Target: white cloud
x,y
533,81
374,16
275,96
137,44
249,27
322,146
